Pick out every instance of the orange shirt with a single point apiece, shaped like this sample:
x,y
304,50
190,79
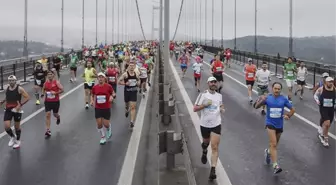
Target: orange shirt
x,y
250,71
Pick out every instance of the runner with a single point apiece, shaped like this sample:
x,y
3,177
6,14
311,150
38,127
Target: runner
x,y
112,74
197,67
217,69
143,69
101,98
52,88
184,61
263,77
89,76
289,71
131,81
40,77
274,121
13,107
325,98
211,106
321,82
250,71
301,79
73,67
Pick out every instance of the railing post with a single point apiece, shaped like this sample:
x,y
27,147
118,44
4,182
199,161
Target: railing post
x,y
276,67
2,76
314,75
24,72
14,66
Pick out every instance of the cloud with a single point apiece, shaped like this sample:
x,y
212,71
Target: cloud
x,y
310,17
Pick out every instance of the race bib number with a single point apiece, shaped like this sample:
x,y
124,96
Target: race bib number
x,y
50,95
132,82
250,75
275,112
327,102
101,99
112,79
218,68
143,71
264,79
290,73
197,72
38,82
100,55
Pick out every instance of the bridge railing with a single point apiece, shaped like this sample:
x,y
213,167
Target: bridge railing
x,y
23,68
276,63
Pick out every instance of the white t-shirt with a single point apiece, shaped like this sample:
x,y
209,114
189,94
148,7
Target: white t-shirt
x,y
263,77
197,68
211,115
301,73
94,53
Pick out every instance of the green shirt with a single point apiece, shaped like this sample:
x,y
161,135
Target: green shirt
x,y
290,68
73,61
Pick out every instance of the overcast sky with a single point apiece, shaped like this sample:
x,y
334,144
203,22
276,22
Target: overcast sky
x,y
311,18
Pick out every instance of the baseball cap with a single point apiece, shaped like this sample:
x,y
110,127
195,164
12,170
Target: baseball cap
x,y
325,74
101,74
211,78
329,79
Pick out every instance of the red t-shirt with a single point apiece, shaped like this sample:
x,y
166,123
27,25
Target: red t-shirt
x,y
102,93
111,75
51,86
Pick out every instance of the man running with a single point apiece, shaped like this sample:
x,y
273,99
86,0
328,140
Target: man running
x,y
131,81
40,76
321,82
302,73
263,77
325,98
89,77
184,61
276,104
73,67
101,98
143,69
217,69
112,74
13,106
52,88
197,67
250,71
289,71
211,106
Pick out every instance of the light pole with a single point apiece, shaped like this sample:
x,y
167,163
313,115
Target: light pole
x,y
222,25
205,23
62,49
96,22
212,25
200,18
255,27
25,41
290,53
235,24
83,3
161,27
105,22
118,25
112,21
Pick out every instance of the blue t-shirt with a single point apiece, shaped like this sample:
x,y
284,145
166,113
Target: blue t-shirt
x,y
275,110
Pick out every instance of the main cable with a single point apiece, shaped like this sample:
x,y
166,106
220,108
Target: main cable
x,y
143,33
178,20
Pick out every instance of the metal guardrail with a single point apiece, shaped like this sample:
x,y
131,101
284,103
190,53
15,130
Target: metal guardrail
x,y
276,63
22,68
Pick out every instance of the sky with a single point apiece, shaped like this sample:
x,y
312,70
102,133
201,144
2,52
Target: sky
x,y
310,18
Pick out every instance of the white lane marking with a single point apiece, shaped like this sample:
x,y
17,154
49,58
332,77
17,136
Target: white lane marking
x,y
296,114
222,177
127,170
41,109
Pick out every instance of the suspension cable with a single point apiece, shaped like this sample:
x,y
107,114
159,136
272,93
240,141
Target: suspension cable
x,y
143,33
178,20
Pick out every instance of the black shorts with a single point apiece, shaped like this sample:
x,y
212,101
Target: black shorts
x,y
301,82
114,86
54,106
143,80
130,96
73,69
207,131
103,113
248,82
197,78
326,114
86,86
277,130
218,76
41,84
9,115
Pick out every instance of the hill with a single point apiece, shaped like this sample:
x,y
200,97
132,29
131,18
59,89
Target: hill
x,y
14,49
307,48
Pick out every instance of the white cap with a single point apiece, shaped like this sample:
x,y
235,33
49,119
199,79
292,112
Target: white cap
x,y
249,59
101,74
211,78
329,79
325,74
11,77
